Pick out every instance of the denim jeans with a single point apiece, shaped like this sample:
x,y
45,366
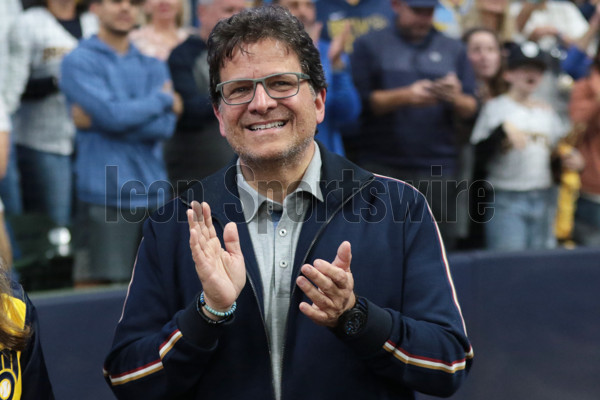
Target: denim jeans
x,y
106,242
46,183
10,187
587,223
521,220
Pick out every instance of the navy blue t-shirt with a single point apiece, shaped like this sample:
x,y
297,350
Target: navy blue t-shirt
x,y
411,137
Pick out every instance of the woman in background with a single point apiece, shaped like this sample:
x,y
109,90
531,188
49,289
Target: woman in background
x,y
163,32
484,51
42,127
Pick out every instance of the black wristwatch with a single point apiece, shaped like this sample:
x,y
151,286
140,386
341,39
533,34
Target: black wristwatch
x,y
353,321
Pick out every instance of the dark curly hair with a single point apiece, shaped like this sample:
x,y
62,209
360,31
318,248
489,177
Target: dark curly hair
x,y
257,24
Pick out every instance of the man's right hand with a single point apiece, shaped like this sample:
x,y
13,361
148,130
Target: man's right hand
x,y
80,118
421,92
222,272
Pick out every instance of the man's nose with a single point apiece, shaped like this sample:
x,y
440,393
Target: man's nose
x,y
261,102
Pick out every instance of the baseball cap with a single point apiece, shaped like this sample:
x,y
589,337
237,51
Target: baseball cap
x,y
421,3
527,53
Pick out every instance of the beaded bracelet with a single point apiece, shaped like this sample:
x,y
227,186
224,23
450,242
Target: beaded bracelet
x,y
222,314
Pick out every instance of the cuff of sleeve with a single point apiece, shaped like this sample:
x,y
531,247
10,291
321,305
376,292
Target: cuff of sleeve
x,y
376,332
198,331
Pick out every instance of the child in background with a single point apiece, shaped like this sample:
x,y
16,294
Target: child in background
x,y
514,136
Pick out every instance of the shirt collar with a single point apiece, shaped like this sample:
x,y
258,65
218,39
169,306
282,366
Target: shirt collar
x,y
252,200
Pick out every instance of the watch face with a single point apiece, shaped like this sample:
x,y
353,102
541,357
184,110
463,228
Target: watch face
x,y
355,322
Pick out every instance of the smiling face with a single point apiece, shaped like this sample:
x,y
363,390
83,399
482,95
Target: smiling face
x,y
268,130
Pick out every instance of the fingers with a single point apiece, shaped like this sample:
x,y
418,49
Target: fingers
x,y
327,286
199,218
344,256
232,239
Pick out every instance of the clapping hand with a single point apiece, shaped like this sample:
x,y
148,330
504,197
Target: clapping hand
x,y
331,289
222,272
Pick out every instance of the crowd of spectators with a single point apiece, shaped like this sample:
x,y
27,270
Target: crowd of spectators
x,y
488,107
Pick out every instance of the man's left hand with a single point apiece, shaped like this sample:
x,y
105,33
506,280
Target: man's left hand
x,y
447,88
330,286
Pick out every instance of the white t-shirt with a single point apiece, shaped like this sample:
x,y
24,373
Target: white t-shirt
x,y
528,168
4,120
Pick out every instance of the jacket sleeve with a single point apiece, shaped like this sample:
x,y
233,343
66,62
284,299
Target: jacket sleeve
x,y
17,64
576,63
197,105
84,85
346,105
36,384
423,344
161,348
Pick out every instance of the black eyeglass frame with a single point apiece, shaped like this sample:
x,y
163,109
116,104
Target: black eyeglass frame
x,y
301,76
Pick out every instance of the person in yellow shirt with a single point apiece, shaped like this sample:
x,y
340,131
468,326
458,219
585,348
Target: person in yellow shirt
x,y
23,374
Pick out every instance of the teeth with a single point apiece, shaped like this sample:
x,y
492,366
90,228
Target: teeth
x,y
266,126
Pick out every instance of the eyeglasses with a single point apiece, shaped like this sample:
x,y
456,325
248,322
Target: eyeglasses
x,y
277,86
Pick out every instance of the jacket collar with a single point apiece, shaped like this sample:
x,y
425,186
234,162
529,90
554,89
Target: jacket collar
x,y
340,180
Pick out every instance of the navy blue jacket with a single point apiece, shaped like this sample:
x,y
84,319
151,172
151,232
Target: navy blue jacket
x,y
414,339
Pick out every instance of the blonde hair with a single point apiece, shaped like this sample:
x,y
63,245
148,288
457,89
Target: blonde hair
x,y
181,19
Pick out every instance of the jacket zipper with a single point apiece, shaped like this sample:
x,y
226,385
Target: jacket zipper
x,y
312,243
262,319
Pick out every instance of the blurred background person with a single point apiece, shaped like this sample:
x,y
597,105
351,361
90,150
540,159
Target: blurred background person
x,y
578,60
554,26
124,107
364,16
515,135
585,110
5,247
43,130
484,51
455,17
414,82
24,373
343,103
163,29
10,189
197,149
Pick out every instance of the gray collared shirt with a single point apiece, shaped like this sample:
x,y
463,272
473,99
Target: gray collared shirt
x,y
274,229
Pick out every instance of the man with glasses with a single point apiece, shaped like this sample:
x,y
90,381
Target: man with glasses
x,y
298,275
124,107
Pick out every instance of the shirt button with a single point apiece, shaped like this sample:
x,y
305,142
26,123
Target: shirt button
x,y
282,232
283,263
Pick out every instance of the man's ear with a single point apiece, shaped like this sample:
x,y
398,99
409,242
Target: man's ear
x,y
320,105
217,111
